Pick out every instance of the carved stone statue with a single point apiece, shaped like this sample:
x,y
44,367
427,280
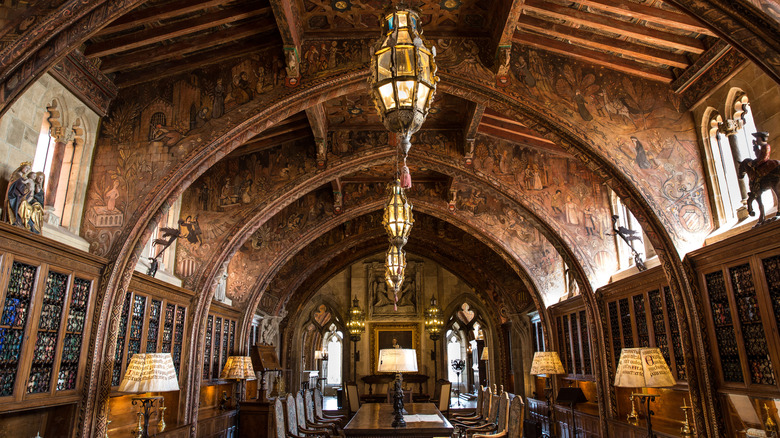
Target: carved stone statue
x,y
24,198
763,174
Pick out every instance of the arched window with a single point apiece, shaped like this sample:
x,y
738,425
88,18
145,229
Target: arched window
x,y
722,170
744,115
333,344
59,156
455,348
627,220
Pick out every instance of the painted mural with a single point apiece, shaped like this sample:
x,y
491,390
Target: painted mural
x,y
152,127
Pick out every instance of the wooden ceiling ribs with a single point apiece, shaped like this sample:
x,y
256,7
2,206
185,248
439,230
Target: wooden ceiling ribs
x,y
145,17
635,31
181,28
175,50
672,19
597,58
639,52
191,62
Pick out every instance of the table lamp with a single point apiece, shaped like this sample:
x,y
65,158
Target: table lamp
x,y
149,372
547,363
643,368
485,354
398,360
238,368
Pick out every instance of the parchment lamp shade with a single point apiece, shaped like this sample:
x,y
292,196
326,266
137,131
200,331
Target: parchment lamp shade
x,y
238,368
397,360
546,363
643,368
150,372
485,354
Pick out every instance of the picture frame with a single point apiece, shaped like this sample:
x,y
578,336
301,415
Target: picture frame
x,y
407,335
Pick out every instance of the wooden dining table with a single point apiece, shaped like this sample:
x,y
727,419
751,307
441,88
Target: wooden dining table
x,y
423,420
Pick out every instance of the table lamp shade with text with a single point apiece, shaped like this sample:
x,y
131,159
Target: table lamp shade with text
x,y
546,363
150,372
238,368
643,368
397,360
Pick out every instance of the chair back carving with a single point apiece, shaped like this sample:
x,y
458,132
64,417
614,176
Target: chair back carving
x,y
444,396
309,400
318,399
279,418
480,396
516,417
352,397
495,400
486,398
503,412
301,410
292,416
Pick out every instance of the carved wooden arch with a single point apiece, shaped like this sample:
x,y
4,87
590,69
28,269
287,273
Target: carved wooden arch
x,y
181,176
255,218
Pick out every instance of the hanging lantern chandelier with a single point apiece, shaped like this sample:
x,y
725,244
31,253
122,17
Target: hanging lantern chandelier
x,y
403,77
395,265
398,219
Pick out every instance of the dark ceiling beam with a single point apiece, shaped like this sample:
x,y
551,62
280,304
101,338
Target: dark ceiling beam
x,y
673,19
154,54
180,28
581,37
503,22
272,140
338,198
157,13
318,120
493,118
612,25
288,21
520,139
189,63
473,118
596,58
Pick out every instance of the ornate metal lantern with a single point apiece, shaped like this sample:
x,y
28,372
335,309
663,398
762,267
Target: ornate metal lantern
x,y
395,264
397,219
403,74
356,323
433,320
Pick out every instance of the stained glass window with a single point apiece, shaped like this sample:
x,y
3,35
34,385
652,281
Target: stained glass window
x,y
759,363
13,322
116,374
48,332
178,337
674,335
724,329
74,334
136,326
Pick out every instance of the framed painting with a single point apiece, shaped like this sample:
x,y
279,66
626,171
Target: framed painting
x,y
390,335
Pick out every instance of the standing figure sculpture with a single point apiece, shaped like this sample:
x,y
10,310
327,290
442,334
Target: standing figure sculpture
x,y
763,174
24,198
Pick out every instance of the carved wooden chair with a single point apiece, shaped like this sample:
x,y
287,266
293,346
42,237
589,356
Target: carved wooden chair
x,y
476,413
303,423
281,432
490,418
514,426
444,397
320,414
353,399
292,422
481,413
311,418
498,422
